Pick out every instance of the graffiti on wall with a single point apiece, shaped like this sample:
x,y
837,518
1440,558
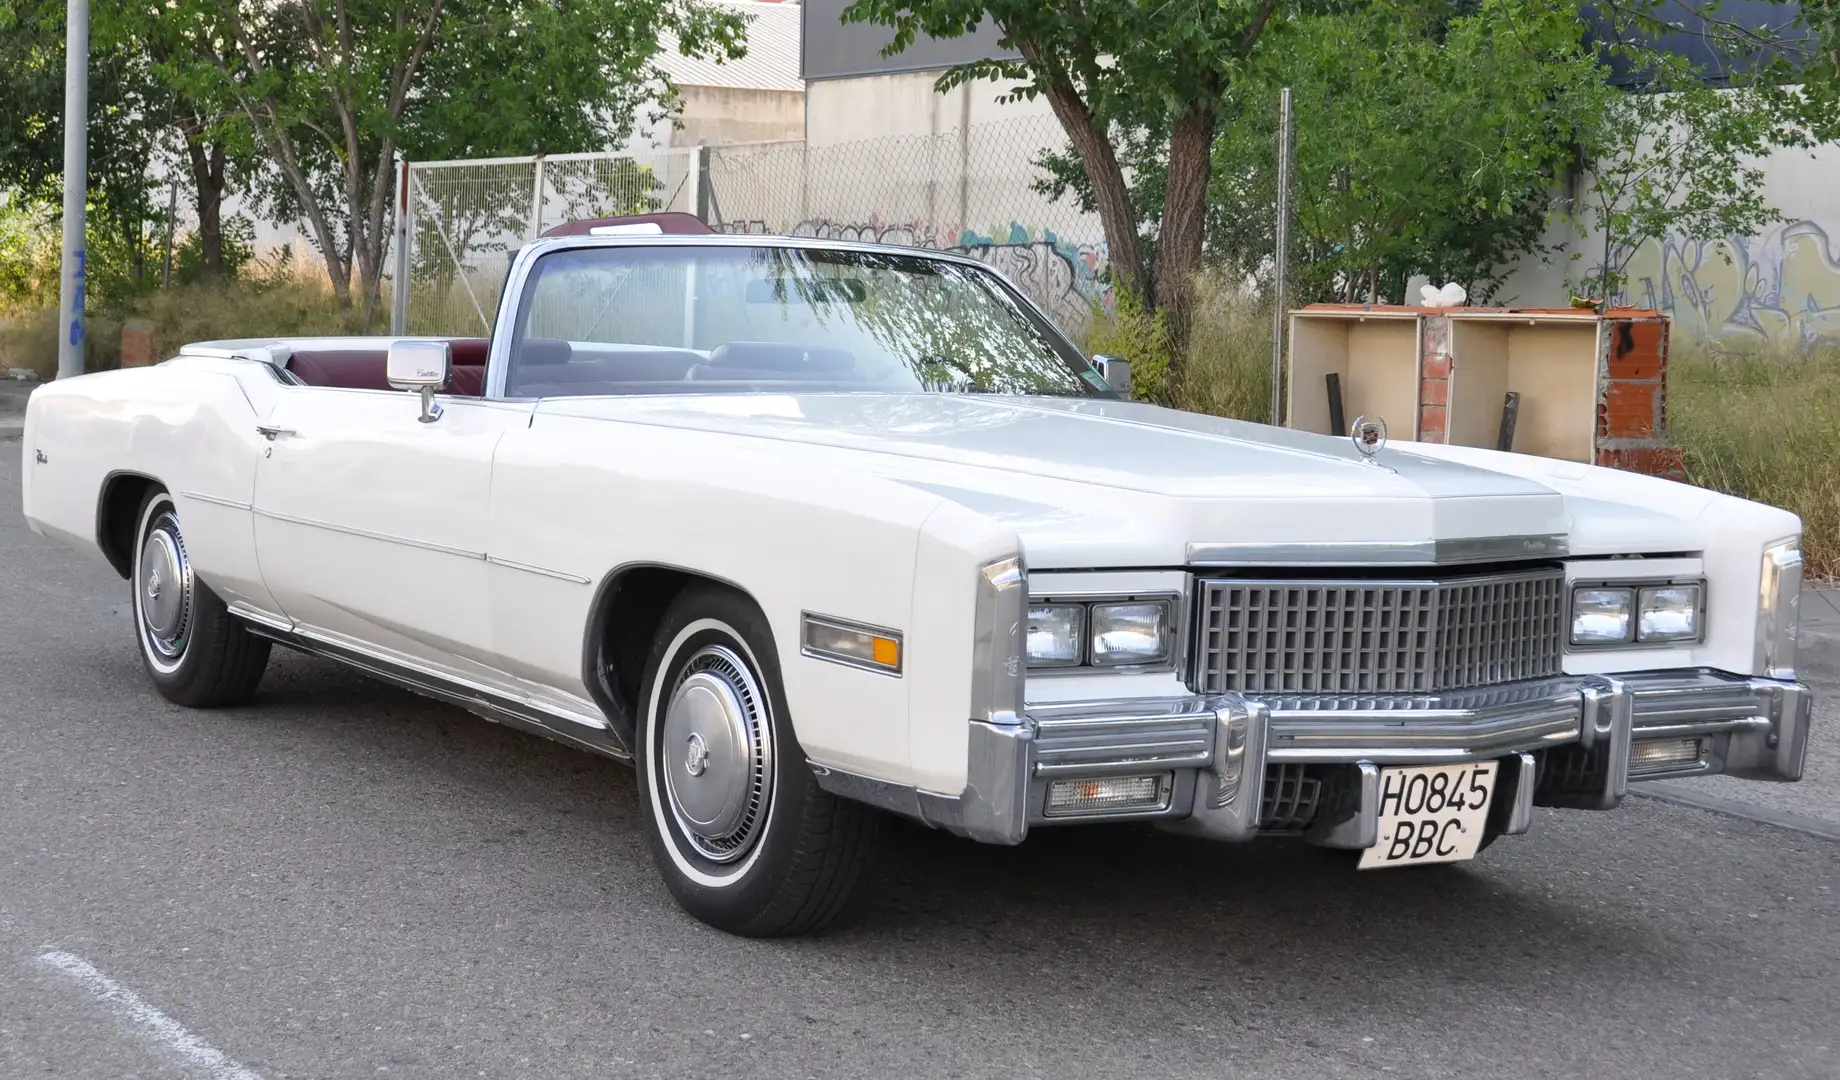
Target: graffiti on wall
x,y
1067,279
1780,289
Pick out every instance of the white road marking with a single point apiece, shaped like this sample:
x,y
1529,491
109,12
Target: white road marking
x,y
164,1029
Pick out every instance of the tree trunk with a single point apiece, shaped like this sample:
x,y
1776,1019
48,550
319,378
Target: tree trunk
x,y
1111,195
1179,238
208,192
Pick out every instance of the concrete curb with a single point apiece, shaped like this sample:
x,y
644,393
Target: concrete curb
x,y
1781,819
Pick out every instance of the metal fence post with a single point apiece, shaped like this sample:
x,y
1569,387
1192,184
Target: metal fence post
x,y
172,213
699,194
536,201
399,289
76,188
1282,260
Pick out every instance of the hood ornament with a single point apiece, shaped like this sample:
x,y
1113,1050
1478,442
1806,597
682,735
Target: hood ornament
x,y
1369,436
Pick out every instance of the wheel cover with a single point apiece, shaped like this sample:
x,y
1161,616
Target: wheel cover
x,y
165,592
716,754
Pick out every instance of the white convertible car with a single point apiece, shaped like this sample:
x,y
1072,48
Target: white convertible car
x,y
815,532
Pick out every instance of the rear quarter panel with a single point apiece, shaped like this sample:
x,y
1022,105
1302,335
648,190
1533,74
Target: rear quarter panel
x,y
187,424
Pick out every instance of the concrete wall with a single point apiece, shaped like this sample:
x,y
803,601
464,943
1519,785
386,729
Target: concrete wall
x,y
1779,289
723,116
875,106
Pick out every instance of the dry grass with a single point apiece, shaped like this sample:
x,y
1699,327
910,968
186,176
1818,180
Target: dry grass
x,y
1764,426
265,303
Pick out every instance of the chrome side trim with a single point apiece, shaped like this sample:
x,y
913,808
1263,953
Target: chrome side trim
x,y
1778,609
538,718
1520,812
541,571
214,500
349,530
1479,549
250,613
1361,829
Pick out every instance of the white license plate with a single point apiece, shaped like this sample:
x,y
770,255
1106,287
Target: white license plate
x,y
1431,814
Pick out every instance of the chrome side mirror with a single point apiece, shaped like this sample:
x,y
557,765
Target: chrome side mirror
x,y
1116,371
427,366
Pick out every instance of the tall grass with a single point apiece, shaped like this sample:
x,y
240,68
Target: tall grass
x,y
1764,425
265,301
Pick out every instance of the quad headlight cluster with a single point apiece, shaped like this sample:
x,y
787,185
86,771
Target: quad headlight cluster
x,y
1101,633
1637,614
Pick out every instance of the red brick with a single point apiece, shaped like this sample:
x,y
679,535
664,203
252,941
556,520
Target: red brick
x,y
137,346
1431,424
1437,365
1664,461
1629,410
1435,392
1638,349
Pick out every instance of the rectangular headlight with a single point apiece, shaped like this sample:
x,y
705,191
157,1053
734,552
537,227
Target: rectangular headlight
x,y
1130,633
1668,613
1057,634
1602,616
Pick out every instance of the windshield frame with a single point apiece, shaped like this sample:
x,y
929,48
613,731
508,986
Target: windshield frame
x,y
523,263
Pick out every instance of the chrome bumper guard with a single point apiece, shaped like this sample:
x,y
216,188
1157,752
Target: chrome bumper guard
x,y
1562,742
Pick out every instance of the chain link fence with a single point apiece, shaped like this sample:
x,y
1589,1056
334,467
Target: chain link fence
x,y
972,191
466,217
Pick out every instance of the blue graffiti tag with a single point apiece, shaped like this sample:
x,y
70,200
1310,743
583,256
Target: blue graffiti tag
x,y
76,298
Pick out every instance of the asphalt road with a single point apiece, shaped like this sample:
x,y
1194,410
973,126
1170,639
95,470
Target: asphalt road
x,y
347,881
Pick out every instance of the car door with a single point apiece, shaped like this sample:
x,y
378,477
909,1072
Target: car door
x,y
371,524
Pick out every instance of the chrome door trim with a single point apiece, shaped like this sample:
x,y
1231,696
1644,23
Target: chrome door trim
x,y
248,612
349,530
214,500
541,571
1478,549
538,718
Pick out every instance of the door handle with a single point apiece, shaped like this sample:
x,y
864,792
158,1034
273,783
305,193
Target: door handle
x,y
271,433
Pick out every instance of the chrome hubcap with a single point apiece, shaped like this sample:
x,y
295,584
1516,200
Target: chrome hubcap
x,y
716,754
165,589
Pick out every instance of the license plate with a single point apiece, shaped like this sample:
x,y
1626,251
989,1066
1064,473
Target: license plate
x,y
1431,814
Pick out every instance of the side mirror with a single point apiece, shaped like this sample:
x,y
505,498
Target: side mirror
x,y
426,366
1116,371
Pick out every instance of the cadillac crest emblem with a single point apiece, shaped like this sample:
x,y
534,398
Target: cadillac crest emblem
x,y
1368,435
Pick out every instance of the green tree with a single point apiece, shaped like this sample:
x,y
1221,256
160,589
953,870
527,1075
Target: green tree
x,y
1157,70
332,90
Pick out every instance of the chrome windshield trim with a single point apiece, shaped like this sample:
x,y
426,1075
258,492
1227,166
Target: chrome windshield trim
x,y
1478,549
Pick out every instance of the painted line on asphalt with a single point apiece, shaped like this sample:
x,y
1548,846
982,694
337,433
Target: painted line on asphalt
x,y
1781,819
164,1029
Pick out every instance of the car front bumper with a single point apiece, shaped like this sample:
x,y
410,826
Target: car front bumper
x,y
1230,767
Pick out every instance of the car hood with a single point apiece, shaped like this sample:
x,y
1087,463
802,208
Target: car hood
x,y
1090,482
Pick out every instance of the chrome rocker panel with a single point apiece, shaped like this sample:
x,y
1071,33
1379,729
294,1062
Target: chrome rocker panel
x,y
1217,749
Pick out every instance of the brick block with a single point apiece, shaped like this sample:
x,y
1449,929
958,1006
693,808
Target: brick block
x,y
137,345
1669,462
1434,392
1638,349
1431,424
1630,410
1437,365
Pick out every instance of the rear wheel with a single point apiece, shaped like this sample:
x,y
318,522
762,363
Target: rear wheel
x,y
745,838
195,652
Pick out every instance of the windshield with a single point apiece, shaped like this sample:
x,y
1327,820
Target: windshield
x,y
707,318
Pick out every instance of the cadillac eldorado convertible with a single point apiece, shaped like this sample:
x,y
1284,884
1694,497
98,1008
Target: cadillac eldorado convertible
x,y
814,533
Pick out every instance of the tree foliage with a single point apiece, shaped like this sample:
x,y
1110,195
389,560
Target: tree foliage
x,y
1158,72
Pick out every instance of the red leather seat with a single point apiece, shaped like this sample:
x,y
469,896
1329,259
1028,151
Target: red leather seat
x,y
365,369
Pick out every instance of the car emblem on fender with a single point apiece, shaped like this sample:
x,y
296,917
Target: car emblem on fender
x,y
1369,435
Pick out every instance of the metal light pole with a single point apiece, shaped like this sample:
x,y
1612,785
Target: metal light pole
x,y
1282,257
76,188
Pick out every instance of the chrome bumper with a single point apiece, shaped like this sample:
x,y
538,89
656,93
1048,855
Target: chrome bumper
x,y
1564,742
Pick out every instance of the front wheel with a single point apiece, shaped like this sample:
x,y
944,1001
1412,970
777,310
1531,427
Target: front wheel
x,y
745,838
195,651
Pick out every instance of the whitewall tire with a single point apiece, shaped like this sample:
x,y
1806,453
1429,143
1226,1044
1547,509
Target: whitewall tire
x,y
745,838
195,651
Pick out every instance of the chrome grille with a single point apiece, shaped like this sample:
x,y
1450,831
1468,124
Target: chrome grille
x,y
1290,799
1280,636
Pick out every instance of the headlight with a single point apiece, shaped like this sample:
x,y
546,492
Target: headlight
x,y
1133,633
1601,616
1057,634
1668,613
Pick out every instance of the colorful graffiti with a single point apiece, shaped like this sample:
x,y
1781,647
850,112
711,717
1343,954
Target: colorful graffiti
x,y
1780,289
1067,279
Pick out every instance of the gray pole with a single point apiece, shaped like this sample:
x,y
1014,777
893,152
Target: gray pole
x,y
76,188
405,236
1282,257
172,213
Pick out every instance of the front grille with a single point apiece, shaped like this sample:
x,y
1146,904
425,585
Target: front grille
x,y
1279,636
1290,799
